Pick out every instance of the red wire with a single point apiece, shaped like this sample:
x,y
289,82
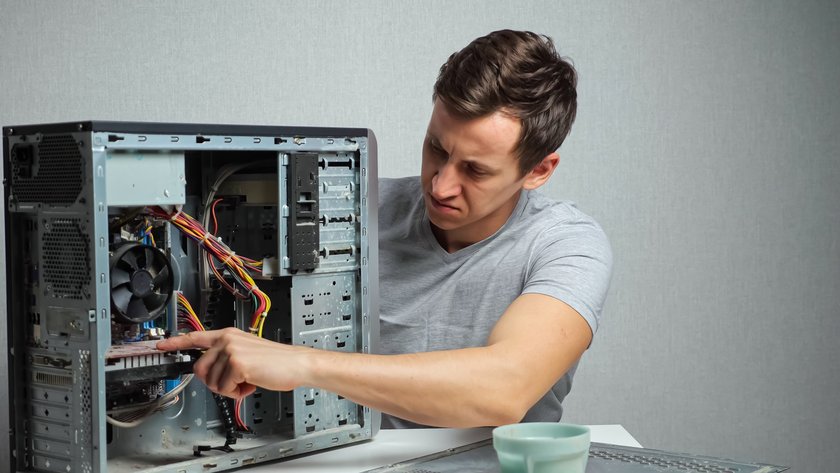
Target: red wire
x,y
237,407
213,214
219,277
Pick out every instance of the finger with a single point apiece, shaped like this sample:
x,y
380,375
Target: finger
x,y
201,368
190,340
230,382
216,371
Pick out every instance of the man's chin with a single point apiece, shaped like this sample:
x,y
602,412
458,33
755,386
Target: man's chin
x,y
441,222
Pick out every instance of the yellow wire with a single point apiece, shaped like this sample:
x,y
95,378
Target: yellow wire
x,y
183,300
264,314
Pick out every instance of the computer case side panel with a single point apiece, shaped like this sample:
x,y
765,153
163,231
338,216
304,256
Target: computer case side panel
x,y
7,445
370,221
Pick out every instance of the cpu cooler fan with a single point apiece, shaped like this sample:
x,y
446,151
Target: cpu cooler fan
x,y
141,283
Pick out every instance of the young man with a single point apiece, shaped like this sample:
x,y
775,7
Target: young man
x,y
490,292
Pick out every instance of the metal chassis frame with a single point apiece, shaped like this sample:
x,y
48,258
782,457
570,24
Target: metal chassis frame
x,y
101,144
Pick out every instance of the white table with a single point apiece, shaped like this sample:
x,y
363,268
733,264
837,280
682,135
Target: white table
x,y
392,446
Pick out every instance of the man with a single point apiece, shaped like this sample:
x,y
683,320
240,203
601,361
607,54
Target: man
x,y
490,292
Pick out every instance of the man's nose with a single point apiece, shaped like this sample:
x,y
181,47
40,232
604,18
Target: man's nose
x,y
446,184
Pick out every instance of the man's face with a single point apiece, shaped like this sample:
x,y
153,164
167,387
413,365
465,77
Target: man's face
x,y
470,175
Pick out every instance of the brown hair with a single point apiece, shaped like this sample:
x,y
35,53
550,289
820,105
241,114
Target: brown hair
x,y
518,73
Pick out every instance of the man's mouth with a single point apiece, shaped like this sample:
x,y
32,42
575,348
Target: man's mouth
x,y
438,205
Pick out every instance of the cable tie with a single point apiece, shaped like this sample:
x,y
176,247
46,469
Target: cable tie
x,y
207,236
176,214
230,256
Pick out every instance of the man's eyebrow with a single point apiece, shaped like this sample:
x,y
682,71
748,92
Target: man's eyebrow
x,y
480,166
433,140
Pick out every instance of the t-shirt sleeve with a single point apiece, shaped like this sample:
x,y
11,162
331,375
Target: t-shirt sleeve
x,y
572,262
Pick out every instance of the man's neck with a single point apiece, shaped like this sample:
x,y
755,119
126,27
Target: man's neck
x,y
449,242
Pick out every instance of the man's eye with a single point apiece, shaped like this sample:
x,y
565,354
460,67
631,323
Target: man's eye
x,y
476,171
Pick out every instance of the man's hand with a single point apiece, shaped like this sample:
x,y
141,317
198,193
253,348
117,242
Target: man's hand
x,y
236,363
534,343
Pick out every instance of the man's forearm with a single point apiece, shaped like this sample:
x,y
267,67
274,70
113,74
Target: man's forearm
x,y
537,340
455,388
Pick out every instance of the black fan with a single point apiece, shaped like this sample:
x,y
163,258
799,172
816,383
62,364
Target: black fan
x,y
141,283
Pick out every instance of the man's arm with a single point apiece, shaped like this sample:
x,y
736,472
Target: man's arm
x,y
535,342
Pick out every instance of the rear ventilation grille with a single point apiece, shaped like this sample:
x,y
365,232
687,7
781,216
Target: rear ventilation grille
x,y
53,379
50,172
86,431
66,259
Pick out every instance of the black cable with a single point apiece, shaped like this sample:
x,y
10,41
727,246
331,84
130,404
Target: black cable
x,y
230,427
227,418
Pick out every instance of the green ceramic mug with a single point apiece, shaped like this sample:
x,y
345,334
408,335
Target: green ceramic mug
x,y
542,447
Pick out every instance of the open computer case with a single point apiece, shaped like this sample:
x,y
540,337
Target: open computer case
x,y
120,234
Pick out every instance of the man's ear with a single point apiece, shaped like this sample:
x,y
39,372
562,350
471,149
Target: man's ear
x,y
540,174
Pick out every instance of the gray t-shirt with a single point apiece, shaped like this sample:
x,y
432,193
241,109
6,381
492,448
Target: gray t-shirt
x,y
433,300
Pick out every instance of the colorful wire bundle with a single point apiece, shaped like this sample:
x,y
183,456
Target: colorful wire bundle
x,y
187,315
238,266
145,234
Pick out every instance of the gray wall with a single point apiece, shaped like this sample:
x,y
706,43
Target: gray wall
x,y
706,144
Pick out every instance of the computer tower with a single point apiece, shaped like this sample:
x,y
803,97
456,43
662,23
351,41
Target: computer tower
x,y
120,234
